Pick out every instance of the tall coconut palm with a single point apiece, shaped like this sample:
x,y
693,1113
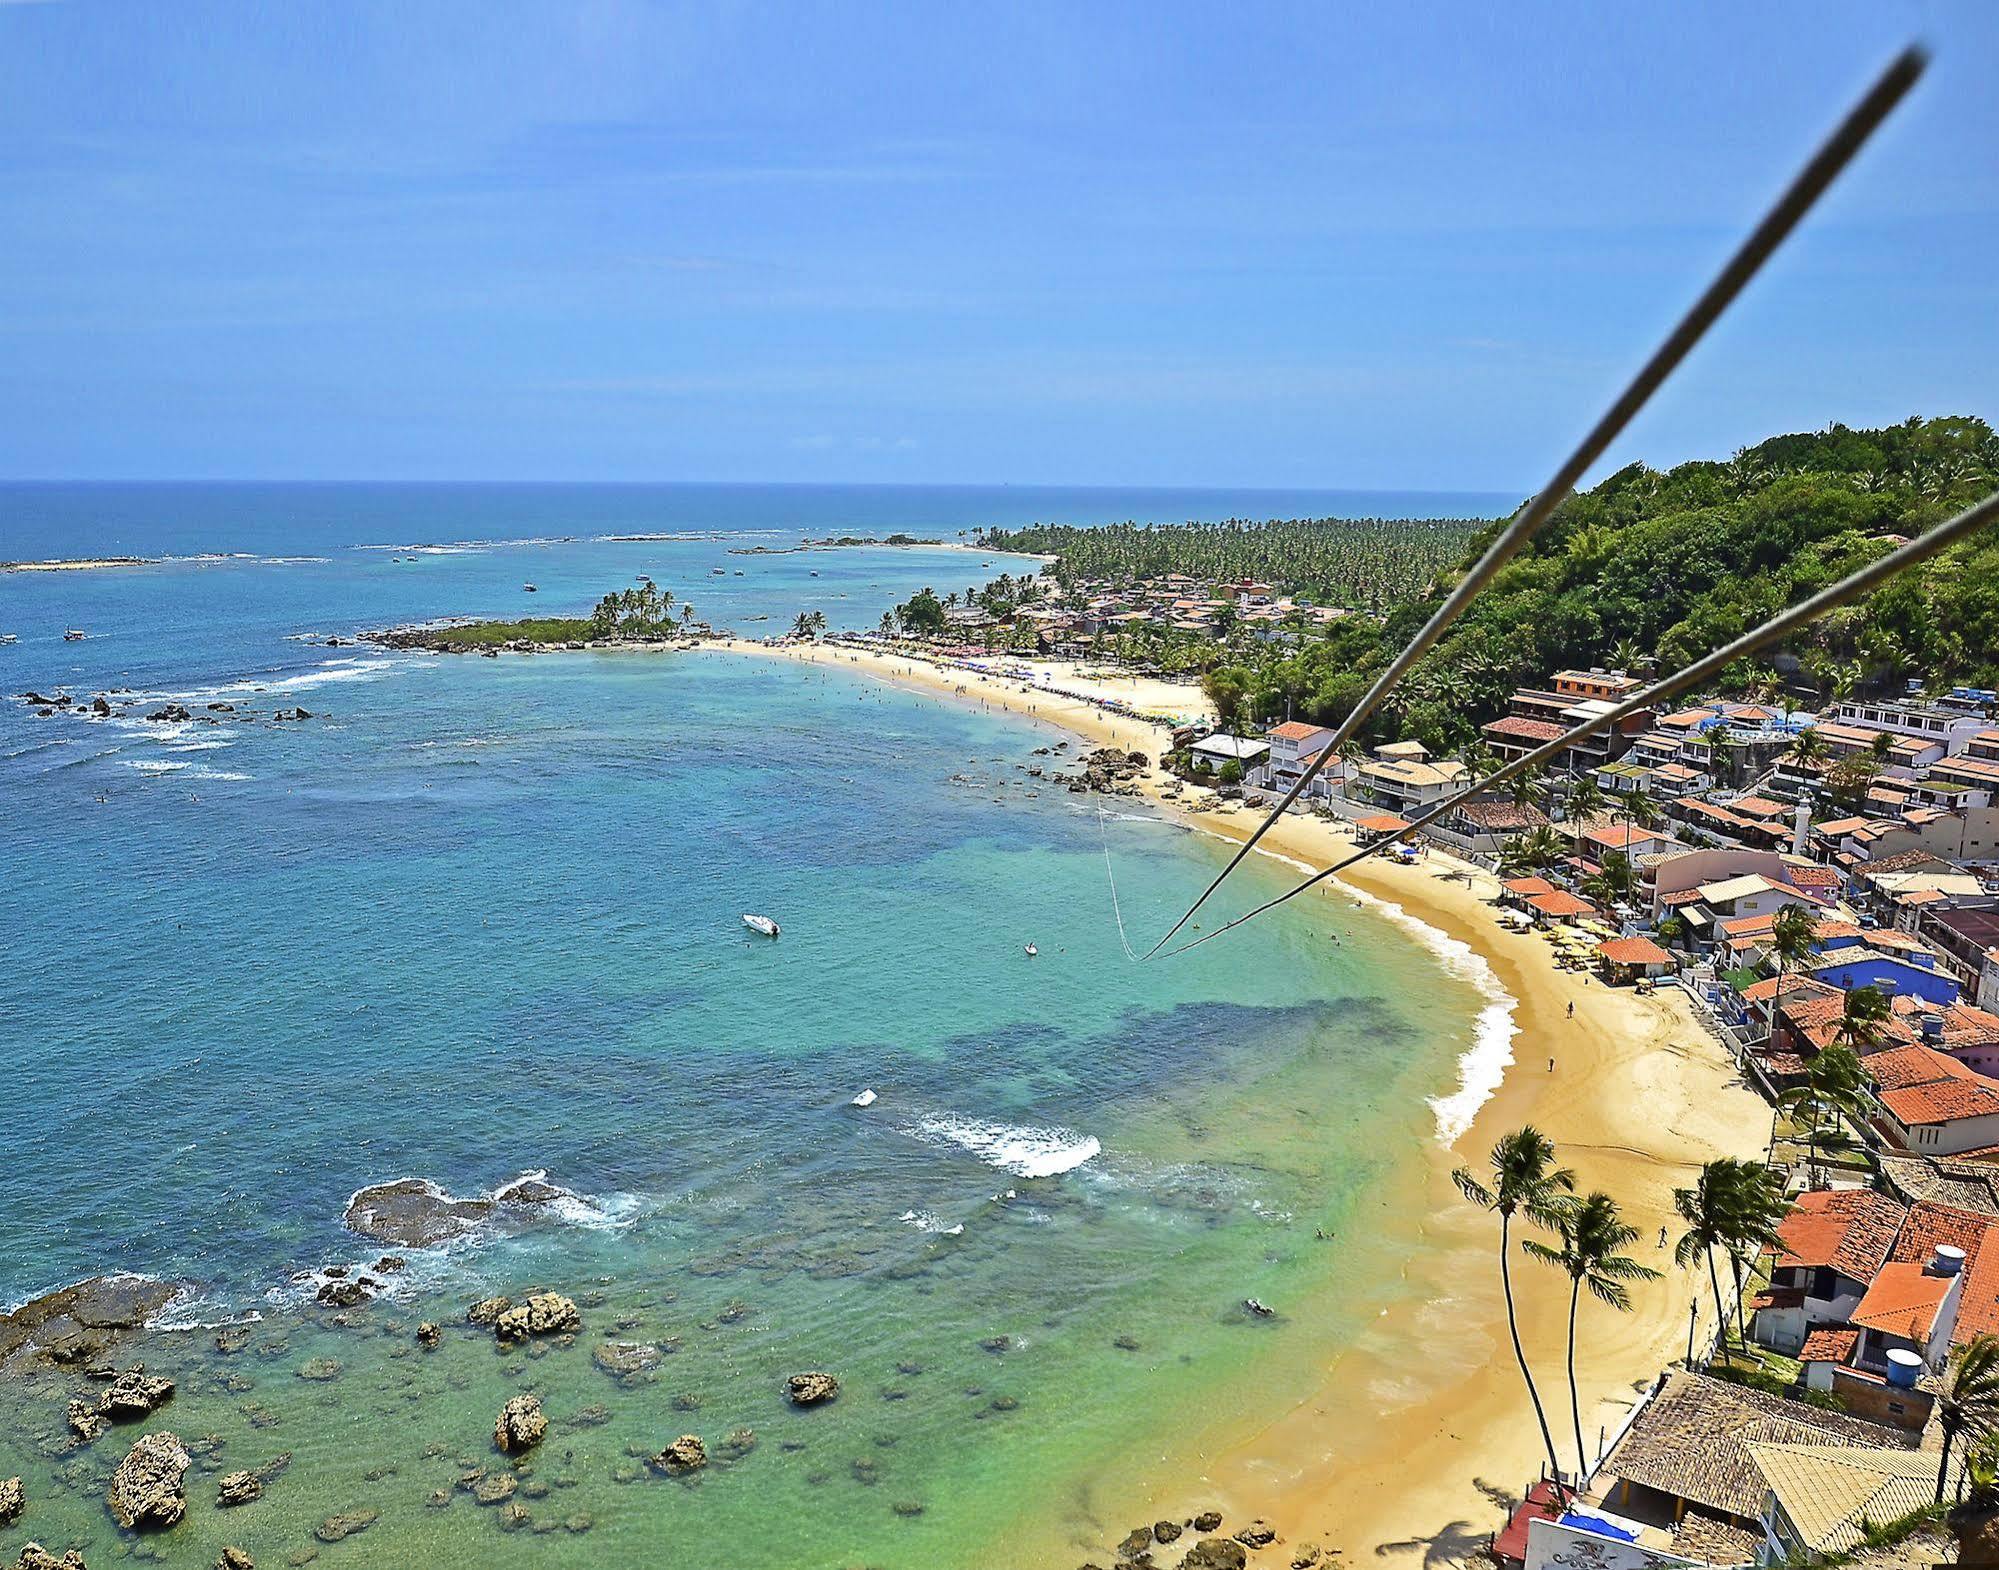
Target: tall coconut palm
x,y
1585,800
1593,1232
1530,852
1968,1399
1708,1208
1807,748
1793,932
1861,1019
1835,1087
1524,1180
1974,1519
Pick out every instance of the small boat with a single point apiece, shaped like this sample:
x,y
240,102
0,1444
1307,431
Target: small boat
x,y
528,588
1032,951
720,572
761,924
645,577
1258,1307
74,635
865,1099
9,637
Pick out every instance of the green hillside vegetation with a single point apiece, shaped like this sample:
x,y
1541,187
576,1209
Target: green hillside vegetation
x,y
1674,564
1365,564
484,634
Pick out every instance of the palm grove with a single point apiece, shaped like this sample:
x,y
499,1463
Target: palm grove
x,y
1647,565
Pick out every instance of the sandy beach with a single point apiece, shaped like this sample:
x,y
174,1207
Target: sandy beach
x,y
1413,1433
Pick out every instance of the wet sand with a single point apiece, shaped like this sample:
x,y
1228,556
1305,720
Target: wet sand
x,y
1411,1429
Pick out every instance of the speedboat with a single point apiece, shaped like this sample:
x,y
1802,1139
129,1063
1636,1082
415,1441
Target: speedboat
x,y
761,924
527,588
74,635
9,637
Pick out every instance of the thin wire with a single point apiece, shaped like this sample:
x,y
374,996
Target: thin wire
x,y
1129,952
1833,155
1849,588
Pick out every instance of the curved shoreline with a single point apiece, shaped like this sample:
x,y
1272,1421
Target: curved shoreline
x,y
1641,1094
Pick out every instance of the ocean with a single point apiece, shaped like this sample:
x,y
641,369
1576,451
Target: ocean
x,y
475,920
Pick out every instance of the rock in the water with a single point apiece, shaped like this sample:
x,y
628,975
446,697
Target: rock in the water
x,y
495,1487
1208,1521
146,1489
134,1393
487,1310
235,1559
13,1500
541,1314
1166,1531
427,1333
625,1359
1136,1541
347,1292
1216,1553
686,1454
811,1389
520,1425
86,1422
36,1557
415,1213
319,1369
238,1488
336,1527
1258,1534
78,1324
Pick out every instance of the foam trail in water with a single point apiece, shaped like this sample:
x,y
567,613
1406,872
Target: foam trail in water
x,y
1024,1150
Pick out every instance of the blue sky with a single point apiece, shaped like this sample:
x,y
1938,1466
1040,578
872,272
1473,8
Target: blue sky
x,y
1246,244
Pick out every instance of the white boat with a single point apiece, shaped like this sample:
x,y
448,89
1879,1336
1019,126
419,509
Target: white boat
x,y
527,588
74,635
761,924
865,1099
1032,951
9,637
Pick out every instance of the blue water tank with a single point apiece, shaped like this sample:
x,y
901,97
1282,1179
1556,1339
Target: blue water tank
x,y
1903,1367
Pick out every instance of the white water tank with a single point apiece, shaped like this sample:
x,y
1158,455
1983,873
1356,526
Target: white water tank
x,y
1948,1260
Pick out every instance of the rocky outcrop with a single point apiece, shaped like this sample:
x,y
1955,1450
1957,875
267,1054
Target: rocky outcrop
x,y
520,1425
36,1557
811,1389
13,1500
1208,1521
416,1213
238,1488
686,1454
1215,1553
427,1333
235,1559
335,1528
627,1361
542,1314
79,1324
487,1310
1166,1531
319,1369
134,1394
146,1488
1258,1534
86,1422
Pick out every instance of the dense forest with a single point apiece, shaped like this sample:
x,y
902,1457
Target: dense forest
x,y
1366,564
1670,565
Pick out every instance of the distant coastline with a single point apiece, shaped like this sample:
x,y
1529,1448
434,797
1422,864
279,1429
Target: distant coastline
x,y
78,564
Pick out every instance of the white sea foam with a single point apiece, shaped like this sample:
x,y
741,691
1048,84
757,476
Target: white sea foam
x,y
154,765
610,1213
1482,1066
1024,1150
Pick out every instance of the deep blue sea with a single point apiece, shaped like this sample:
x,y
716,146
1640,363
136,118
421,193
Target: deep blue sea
x,y
478,918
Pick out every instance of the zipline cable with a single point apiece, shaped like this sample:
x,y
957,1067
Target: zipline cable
x,y
1833,155
1849,588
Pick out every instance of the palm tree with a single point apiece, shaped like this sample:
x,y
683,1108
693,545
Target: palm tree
x,y
1834,1087
1793,933
1807,748
1524,1179
1585,798
802,627
1641,811
1614,881
1969,1396
1861,1019
1523,787
1530,852
1974,1519
1706,1209
1592,1232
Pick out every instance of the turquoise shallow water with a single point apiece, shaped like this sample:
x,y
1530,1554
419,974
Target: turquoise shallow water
x,y
481,917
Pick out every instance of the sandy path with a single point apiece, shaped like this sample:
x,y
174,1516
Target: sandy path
x,y
1393,1446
